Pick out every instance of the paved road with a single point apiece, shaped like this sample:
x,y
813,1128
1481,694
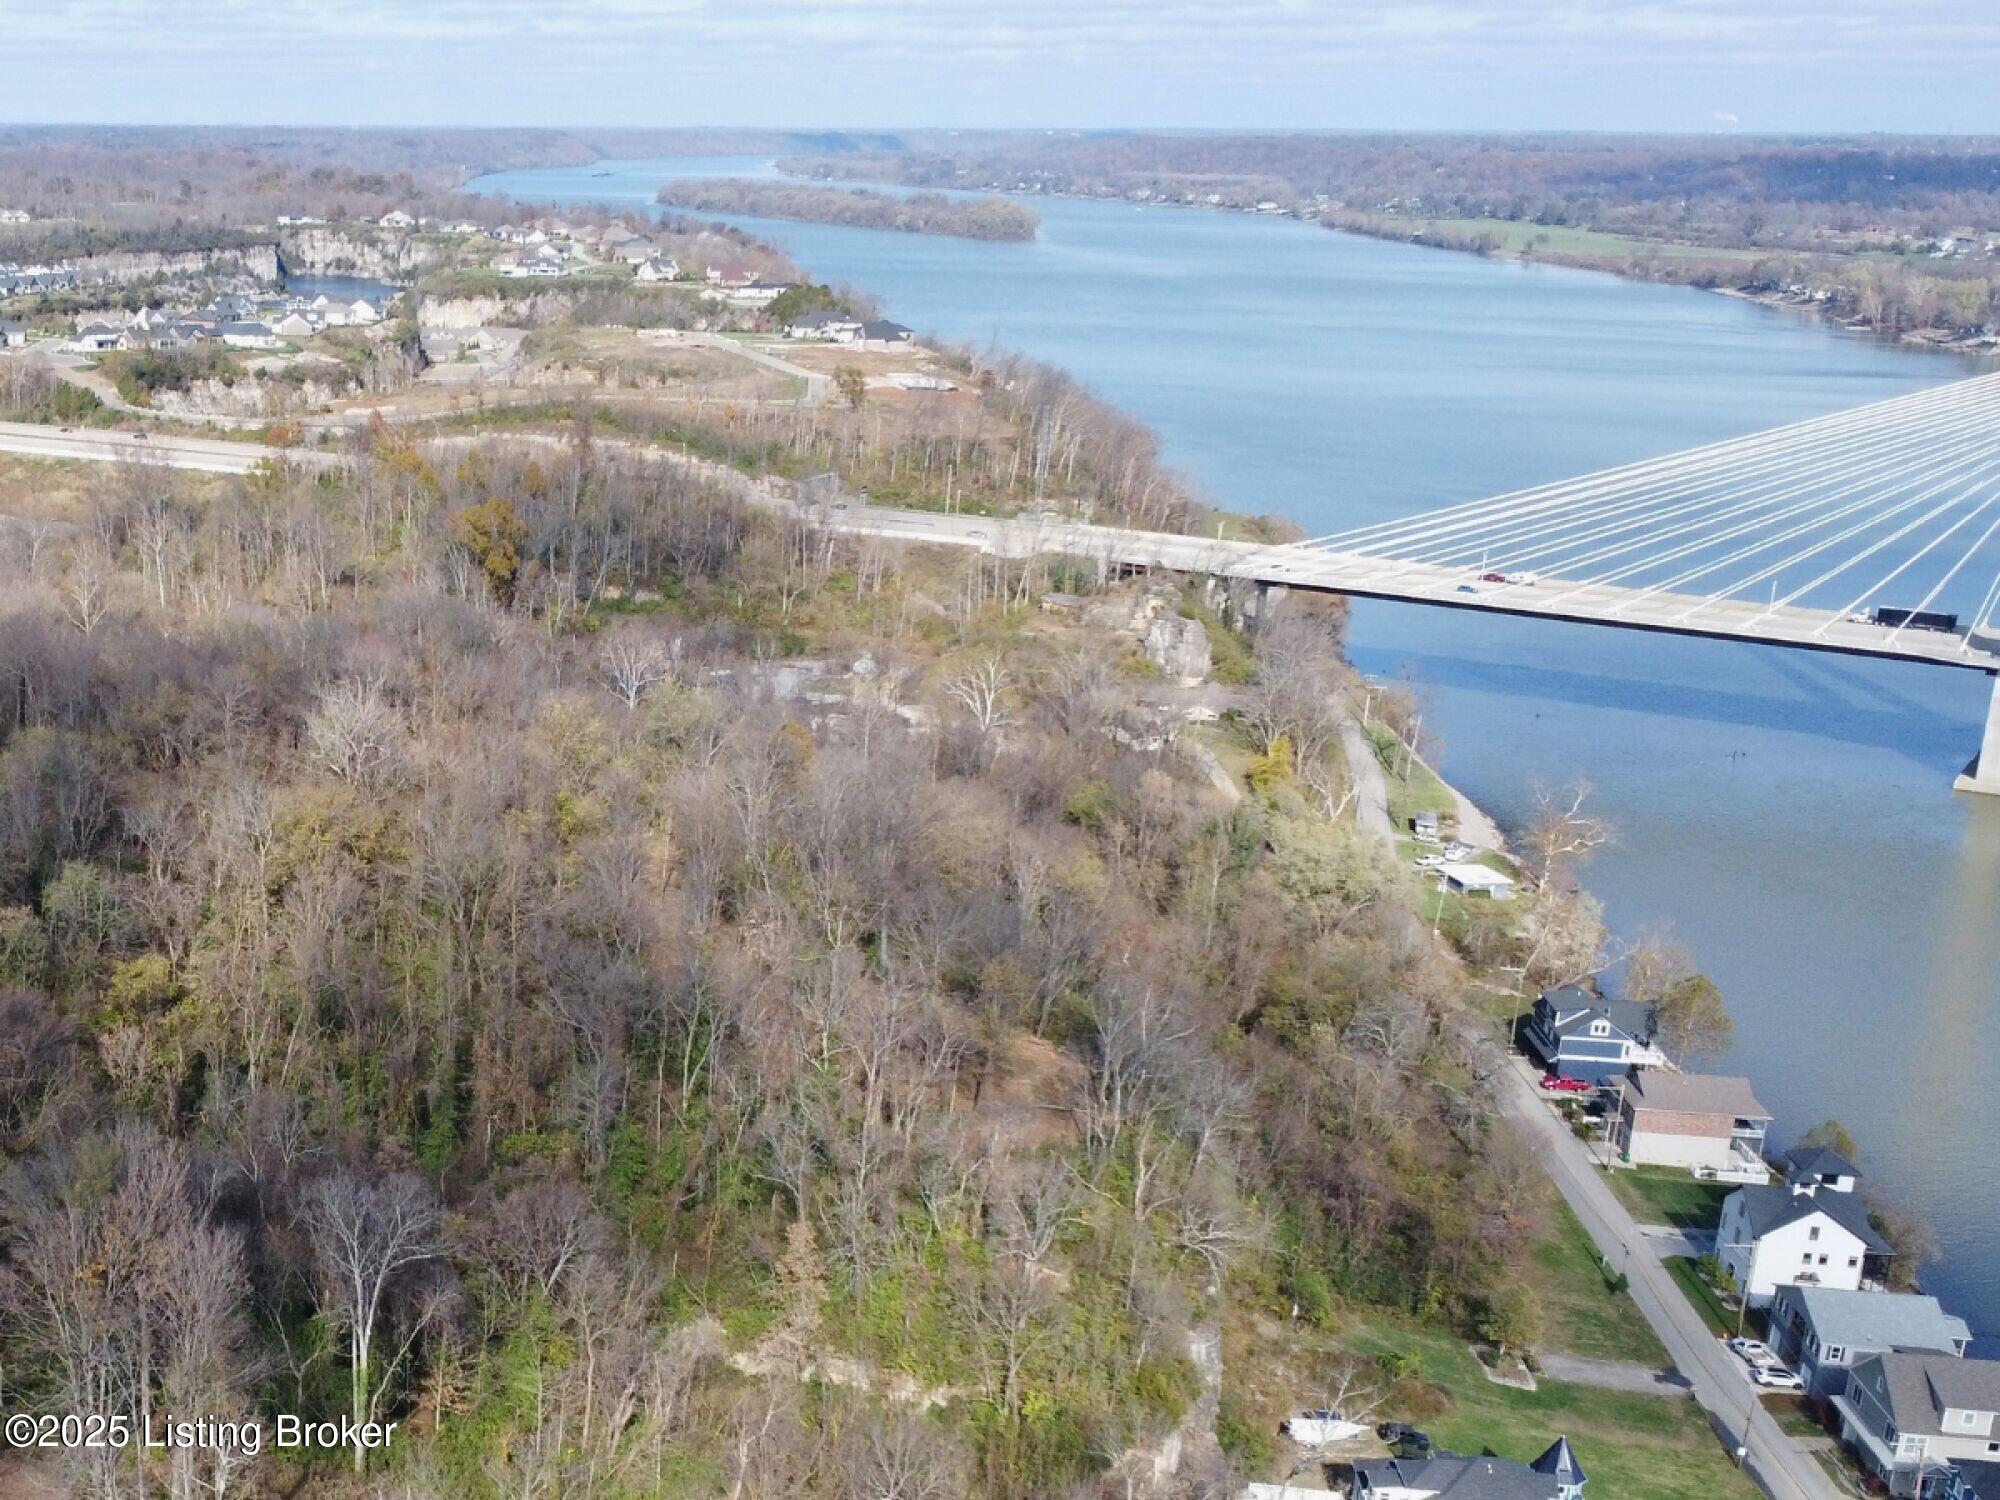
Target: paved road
x,y
1778,1464
1371,787
96,445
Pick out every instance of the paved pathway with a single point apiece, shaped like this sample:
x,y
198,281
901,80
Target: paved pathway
x,y
1612,1375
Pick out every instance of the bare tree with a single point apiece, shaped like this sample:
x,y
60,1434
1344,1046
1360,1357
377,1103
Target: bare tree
x,y
1561,835
980,690
354,733
633,663
365,1232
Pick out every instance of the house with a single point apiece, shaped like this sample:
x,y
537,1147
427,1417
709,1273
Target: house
x,y
395,218
295,325
1819,1166
1907,1416
1795,1234
95,338
15,216
361,310
656,269
834,327
880,333
13,335
245,334
1424,827
1972,1479
1825,1331
1556,1475
1576,1034
1693,1120
1462,878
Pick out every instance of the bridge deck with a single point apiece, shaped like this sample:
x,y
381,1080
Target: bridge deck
x,y
1415,583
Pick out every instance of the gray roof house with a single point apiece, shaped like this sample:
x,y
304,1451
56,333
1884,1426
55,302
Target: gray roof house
x,y
13,335
1576,1034
1907,1416
1556,1475
1973,1480
1793,1234
1826,1331
1822,1166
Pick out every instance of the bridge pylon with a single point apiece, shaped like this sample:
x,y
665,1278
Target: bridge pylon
x,y
1983,775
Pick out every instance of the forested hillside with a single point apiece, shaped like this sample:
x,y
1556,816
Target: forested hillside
x,y
656,1000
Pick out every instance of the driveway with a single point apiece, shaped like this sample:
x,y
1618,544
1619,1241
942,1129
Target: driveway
x,y
1612,1375
1779,1465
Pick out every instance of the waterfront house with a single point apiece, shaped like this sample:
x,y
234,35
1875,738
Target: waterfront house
x,y
1795,1234
1576,1034
1556,1475
1907,1416
832,327
295,325
1700,1121
880,333
1473,881
1826,1331
395,218
1820,1166
656,269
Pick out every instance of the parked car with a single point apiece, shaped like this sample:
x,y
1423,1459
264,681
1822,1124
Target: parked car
x,y
1776,1377
1456,850
1430,861
138,437
1404,1440
1555,1083
1753,1352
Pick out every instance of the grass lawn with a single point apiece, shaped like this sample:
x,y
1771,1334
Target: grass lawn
x,y
1666,1195
1581,1314
1719,1315
1412,790
1634,1447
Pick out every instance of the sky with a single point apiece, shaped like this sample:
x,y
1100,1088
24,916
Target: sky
x,y
1667,65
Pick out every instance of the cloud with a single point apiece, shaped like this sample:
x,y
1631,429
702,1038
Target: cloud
x,y
1305,62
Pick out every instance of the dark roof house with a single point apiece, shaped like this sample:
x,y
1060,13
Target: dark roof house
x,y
1556,1475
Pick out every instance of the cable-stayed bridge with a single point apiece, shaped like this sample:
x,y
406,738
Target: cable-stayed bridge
x,y
1871,532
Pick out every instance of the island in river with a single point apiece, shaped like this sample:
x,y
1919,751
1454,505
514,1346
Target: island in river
x,y
857,208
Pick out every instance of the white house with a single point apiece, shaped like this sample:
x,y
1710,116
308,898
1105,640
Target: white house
x,y
244,334
395,218
361,310
95,338
1907,1415
295,325
656,269
1795,1234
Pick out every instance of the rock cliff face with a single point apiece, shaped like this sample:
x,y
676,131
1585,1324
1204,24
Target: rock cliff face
x,y
257,262
341,252
1179,648
468,314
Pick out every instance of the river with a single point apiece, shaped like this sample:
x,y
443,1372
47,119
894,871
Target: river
x,y
1786,816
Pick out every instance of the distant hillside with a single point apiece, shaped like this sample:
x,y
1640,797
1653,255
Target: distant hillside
x,y
919,213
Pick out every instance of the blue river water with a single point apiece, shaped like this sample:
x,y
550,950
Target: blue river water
x,y
1786,816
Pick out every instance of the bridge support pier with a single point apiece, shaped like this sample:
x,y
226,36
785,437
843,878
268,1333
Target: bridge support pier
x,y
1983,775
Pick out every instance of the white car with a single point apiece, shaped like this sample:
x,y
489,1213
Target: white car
x,y
1776,1377
1455,850
1753,1352
1430,861
1314,1429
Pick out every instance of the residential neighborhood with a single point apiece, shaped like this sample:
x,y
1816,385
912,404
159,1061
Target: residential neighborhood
x,y
1794,1263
